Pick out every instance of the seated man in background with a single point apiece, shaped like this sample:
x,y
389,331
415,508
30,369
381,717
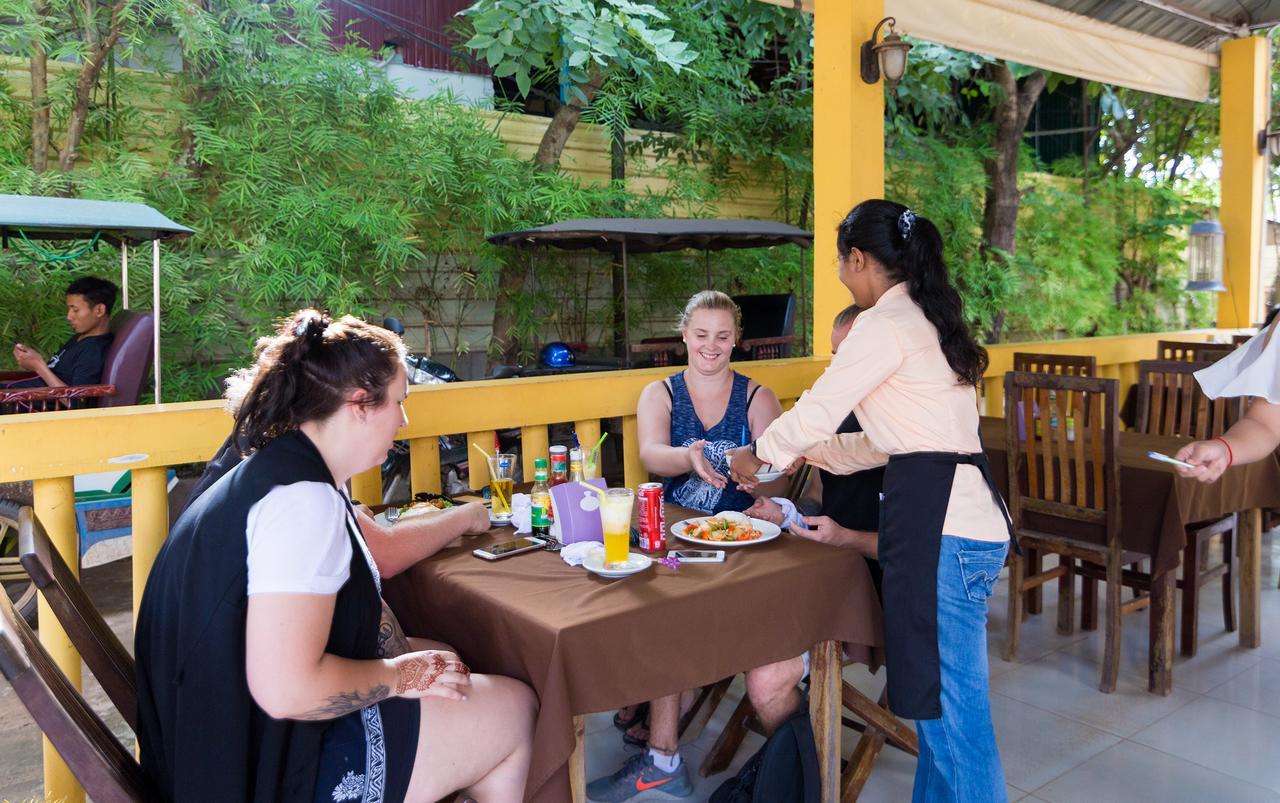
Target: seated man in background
x,y
80,360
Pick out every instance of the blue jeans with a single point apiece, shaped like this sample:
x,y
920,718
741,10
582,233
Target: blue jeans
x,y
959,760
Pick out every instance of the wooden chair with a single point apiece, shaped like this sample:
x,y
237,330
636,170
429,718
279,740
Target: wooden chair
x,y
1192,351
106,770
873,720
1064,497
105,656
1171,403
1068,365
1239,340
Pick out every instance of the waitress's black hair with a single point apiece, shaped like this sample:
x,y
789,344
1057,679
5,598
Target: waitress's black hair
x,y
909,249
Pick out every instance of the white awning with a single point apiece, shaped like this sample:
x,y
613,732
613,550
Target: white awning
x,y
1039,35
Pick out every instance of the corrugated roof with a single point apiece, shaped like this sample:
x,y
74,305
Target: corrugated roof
x,y
46,218
1161,20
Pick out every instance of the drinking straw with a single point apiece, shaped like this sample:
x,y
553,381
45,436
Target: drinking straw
x,y
493,472
592,487
595,450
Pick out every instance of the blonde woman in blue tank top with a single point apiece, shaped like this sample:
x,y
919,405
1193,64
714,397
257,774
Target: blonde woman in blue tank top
x,y
687,423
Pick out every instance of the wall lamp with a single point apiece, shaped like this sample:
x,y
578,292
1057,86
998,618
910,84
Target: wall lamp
x,y
887,57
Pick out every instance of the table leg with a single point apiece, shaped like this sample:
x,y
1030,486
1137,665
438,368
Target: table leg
x,y
824,711
1250,578
578,761
1160,659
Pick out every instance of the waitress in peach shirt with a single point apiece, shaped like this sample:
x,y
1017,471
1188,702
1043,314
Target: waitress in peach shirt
x,y
909,369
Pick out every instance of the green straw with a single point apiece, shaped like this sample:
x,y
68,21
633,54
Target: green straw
x,y
595,450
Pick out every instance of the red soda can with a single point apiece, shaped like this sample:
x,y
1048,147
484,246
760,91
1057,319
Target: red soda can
x,y
653,518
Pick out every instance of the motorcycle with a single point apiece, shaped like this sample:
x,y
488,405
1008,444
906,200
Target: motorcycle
x,y
421,370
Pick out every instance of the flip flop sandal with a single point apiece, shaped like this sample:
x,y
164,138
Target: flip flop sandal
x,y
635,741
637,715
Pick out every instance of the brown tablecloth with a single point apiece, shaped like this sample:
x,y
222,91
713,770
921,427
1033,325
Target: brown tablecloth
x,y
587,644
1156,504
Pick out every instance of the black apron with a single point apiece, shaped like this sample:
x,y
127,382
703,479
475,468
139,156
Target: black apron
x,y
917,490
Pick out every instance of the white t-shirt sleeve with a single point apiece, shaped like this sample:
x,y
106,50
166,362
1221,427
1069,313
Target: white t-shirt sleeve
x,y
298,541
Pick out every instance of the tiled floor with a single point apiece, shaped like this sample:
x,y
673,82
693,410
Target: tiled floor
x,y
1216,738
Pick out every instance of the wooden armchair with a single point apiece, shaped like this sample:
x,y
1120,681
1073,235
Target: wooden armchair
x,y
1064,497
106,657
106,770
124,371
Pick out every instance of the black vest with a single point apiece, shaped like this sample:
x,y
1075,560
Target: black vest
x,y
202,737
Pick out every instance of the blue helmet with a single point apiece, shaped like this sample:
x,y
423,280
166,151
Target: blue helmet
x,y
557,355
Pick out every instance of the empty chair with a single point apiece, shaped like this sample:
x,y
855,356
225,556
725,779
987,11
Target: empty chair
x,y
1064,497
1067,364
105,656
1171,403
1192,351
106,770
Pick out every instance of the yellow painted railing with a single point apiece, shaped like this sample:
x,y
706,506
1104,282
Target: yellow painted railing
x,y
50,448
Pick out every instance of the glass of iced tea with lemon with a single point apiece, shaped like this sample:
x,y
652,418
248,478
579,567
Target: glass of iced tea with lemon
x,y
615,516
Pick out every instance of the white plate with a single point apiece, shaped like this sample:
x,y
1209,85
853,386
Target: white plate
x,y
769,532
768,476
594,562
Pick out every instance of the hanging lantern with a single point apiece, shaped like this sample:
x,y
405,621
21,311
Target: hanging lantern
x,y
1204,256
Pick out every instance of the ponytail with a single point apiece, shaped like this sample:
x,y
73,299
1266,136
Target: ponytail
x,y
305,371
909,249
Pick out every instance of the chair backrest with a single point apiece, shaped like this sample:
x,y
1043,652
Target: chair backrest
x,y
106,657
1065,465
1170,402
1237,340
106,770
1192,352
128,361
1069,364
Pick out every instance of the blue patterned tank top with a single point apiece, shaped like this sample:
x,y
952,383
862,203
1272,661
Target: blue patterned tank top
x,y
690,490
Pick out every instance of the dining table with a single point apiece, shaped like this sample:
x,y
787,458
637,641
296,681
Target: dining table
x,y
1157,506
588,644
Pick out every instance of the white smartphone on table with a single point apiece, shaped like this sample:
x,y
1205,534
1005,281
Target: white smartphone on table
x,y
698,555
1164,458
508,548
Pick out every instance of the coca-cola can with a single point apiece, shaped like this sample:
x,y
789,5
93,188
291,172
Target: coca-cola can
x,y
653,518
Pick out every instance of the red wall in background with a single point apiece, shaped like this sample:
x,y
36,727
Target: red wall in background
x,y
428,19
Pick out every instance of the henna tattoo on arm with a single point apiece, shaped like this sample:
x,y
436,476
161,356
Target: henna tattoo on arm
x,y
421,672
343,703
391,638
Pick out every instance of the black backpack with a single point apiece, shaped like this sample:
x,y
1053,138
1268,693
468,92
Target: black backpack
x,y
785,770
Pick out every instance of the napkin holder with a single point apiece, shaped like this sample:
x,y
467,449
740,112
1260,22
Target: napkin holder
x,y
577,512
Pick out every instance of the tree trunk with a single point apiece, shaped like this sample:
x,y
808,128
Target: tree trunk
x,y
89,74
39,98
562,124
1000,212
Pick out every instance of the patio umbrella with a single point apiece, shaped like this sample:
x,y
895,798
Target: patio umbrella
x,y
31,217
620,236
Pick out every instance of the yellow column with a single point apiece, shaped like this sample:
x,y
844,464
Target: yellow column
x,y
1245,66
55,507
367,487
848,143
150,525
